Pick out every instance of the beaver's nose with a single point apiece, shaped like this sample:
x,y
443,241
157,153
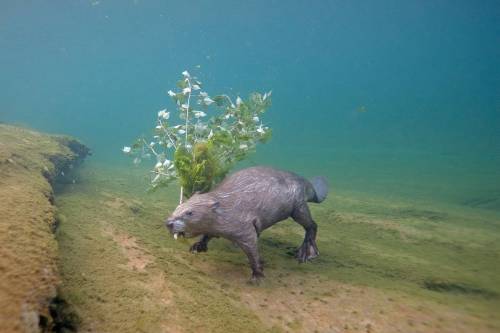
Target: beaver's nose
x,y
169,223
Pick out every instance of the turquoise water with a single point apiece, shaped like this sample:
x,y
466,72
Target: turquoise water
x,y
396,98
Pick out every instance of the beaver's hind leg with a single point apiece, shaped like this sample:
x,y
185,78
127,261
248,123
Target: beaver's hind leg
x,y
308,250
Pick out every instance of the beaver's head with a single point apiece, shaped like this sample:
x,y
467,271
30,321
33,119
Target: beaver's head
x,y
193,217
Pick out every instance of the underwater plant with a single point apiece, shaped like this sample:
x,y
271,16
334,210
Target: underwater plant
x,y
211,136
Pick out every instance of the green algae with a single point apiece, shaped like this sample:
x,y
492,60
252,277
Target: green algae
x,y
394,247
29,163
97,284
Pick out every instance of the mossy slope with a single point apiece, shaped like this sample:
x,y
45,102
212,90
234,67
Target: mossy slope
x,y
29,161
385,266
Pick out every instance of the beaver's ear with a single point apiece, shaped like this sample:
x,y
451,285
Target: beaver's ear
x,y
215,205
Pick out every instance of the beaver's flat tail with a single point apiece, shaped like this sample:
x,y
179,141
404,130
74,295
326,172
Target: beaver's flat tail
x,y
320,186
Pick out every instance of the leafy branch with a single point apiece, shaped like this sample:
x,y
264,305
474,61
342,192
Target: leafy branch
x,y
199,150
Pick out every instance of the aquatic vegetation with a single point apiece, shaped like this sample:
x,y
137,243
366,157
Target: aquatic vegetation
x,y
377,267
212,135
31,164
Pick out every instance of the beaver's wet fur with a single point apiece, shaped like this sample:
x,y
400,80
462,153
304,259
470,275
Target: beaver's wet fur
x,y
246,203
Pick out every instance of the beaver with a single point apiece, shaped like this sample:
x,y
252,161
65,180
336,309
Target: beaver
x,y
244,204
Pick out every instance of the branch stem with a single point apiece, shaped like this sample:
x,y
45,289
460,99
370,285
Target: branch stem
x,y
168,135
150,148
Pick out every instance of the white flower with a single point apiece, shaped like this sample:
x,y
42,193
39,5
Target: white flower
x,y
196,87
266,95
163,114
256,119
208,100
181,131
184,106
211,134
238,101
169,144
186,74
186,90
243,146
189,146
166,163
200,126
171,93
227,116
158,165
199,114
203,94
260,130
152,144
158,127
126,150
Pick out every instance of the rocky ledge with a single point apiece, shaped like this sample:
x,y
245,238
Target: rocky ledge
x,y
30,163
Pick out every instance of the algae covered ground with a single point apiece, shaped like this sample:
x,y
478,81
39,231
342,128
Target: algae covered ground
x,y
29,162
385,266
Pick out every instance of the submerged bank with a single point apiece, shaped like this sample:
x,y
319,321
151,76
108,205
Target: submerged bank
x,y
385,266
30,162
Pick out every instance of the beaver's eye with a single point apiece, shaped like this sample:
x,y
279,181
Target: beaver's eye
x,y
189,213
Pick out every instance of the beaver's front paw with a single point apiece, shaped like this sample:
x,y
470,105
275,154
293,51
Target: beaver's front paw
x,y
198,247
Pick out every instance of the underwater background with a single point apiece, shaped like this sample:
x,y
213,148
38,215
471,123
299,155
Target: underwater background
x,y
396,102
395,98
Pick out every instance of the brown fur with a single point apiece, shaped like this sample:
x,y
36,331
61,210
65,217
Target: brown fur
x,y
246,203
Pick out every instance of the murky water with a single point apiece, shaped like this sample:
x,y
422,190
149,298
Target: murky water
x,y
397,103
397,99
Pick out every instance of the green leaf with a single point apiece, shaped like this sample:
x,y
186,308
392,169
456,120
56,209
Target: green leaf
x,y
182,84
219,100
